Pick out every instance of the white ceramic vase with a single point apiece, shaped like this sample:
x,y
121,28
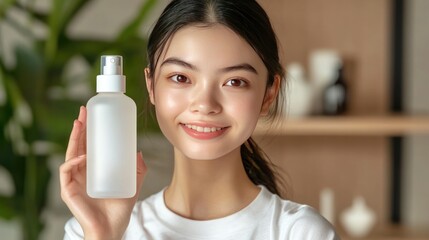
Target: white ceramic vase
x,y
359,219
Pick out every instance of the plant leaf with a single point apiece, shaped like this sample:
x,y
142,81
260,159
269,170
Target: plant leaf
x,y
7,210
4,5
29,73
70,12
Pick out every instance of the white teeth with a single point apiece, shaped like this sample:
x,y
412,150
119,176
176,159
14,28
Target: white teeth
x,y
202,129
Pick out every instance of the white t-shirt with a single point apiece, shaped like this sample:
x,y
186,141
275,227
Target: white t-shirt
x,y
267,217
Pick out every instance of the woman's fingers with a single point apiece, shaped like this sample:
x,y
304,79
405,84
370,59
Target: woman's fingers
x,y
82,139
141,166
82,115
141,171
77,140
73,144
66,171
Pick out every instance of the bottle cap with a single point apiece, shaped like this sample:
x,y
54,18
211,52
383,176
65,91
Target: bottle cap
x,y
111,78
111,65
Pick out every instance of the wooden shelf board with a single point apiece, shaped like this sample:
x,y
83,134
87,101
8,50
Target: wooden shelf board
x,y
394,125
392,233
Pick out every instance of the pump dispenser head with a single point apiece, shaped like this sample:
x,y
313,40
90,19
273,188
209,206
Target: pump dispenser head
x,y
111,78
111,65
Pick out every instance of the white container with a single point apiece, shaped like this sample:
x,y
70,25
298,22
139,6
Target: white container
x,y
111,135
327,205
298,93
323,69
359,219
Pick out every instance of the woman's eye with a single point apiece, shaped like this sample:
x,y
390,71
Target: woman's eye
x,y
236,83
179,78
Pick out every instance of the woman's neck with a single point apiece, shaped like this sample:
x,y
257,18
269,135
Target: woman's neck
x,y
209,189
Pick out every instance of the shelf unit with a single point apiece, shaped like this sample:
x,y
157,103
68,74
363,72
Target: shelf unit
x,y
344,128
353,154
393,232
388,125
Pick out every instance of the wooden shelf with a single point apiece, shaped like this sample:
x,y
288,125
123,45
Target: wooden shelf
x,y
395,125
392,233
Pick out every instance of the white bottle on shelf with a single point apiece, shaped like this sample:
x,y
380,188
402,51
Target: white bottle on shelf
x,y
298,92
327,205
359,219
323,67
111,135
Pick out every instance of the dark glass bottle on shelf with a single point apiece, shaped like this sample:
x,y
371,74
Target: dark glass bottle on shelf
x,y
335,96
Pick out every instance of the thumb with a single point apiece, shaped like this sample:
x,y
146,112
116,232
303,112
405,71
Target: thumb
x,y
141,171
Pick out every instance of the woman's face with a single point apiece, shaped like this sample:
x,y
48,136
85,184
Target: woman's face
x,y
209,91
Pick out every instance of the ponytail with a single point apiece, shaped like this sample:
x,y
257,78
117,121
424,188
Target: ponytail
x,y
260,169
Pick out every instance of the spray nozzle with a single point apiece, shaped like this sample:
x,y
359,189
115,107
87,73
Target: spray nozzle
x,y
111,65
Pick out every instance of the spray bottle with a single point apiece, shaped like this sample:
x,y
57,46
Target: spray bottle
x,y
111,135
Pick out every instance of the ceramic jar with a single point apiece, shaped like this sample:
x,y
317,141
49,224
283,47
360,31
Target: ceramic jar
x,y
359,219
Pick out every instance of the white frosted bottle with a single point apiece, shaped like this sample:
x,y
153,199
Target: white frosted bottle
x,y
111,135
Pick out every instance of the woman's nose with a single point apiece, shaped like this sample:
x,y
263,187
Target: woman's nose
x,y
205,101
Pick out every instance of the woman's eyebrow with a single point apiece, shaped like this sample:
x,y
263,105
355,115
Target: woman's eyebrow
x,y
180,62
243,66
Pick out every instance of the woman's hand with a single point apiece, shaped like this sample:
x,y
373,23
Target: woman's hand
x,y
99,218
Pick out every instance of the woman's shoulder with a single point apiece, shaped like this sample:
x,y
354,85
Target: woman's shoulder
x,y
299,221
289,210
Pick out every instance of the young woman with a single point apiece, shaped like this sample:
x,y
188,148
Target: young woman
x,y
213,71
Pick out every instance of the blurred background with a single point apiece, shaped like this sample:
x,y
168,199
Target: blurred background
x,y
356,127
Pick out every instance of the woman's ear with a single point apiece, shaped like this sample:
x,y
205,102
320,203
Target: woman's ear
x,y
270,95
149,85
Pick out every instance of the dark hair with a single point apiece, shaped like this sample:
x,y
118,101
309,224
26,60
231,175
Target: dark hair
x,y
247,19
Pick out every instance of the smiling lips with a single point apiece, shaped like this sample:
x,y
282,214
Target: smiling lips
x,y
203,133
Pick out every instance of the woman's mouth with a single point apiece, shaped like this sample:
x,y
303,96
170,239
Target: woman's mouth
x,y
203,129
203,132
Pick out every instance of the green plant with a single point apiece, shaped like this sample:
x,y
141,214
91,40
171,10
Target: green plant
x,y
29,114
